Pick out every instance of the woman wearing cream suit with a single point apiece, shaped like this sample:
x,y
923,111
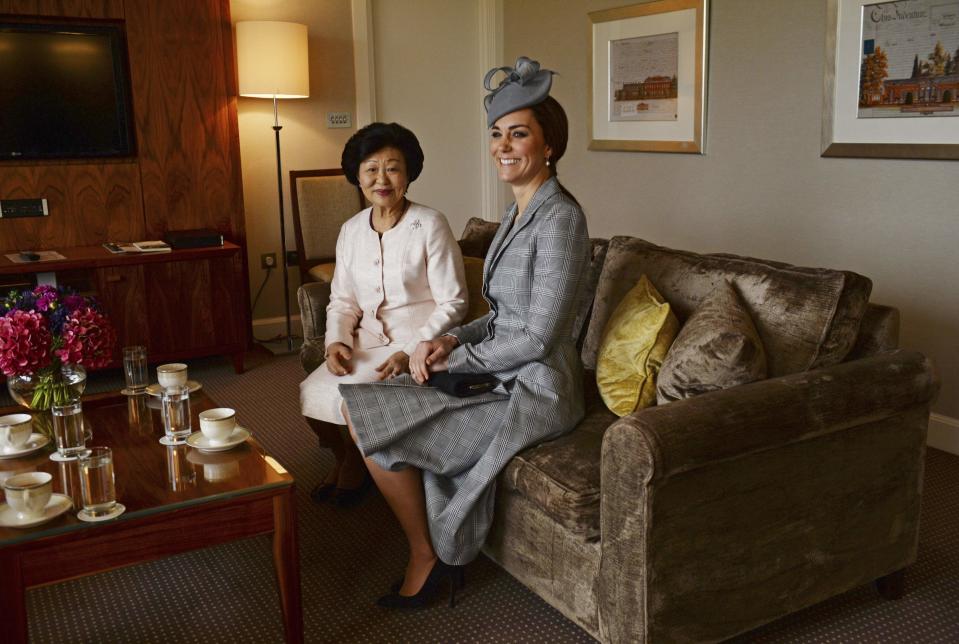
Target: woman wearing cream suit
x,y
398,281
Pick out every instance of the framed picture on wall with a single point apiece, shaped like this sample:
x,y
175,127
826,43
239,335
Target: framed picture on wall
x,y
891,82
648,77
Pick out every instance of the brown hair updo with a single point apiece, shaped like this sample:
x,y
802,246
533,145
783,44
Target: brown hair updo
x,y
552,119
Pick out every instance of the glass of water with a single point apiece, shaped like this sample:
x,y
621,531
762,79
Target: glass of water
x,y
68,430
135,369
175,409
97,486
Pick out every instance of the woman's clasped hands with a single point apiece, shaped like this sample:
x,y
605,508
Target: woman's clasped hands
x,y
339,356
431,356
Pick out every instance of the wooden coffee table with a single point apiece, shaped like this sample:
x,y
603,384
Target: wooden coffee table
x,y
177,499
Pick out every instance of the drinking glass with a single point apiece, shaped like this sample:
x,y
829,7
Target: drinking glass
x,y
135,369
68,430
175,408
97,486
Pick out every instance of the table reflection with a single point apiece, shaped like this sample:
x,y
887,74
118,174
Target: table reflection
x,y
180,474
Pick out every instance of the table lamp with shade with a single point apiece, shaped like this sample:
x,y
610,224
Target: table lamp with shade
x,y
273,62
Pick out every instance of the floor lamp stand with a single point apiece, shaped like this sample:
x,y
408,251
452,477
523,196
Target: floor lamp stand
x,y
279,188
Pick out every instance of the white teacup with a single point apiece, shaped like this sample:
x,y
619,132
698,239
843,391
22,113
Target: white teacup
x,y
28,494
172,374
15,430
217,424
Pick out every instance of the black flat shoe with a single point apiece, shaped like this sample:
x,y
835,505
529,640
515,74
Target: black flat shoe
x,y
440,574
351,497
322,492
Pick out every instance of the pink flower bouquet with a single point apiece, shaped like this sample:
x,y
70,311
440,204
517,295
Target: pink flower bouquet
x,y
46,328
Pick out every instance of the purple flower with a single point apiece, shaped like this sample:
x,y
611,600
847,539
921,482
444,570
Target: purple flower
x,y
74,302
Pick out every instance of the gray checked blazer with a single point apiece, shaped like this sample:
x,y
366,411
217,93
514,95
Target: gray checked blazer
x,y
536,270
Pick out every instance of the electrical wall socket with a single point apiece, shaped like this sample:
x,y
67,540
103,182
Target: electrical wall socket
x,y
268,260
338,119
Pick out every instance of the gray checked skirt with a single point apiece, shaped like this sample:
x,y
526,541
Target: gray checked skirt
x,y
456,442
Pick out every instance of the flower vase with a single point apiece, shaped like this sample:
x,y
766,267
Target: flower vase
x,y
54,385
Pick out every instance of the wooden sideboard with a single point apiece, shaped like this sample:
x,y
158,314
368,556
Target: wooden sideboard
x,y
179,304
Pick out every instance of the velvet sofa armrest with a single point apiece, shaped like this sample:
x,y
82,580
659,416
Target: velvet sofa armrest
x,y
313,299
703,499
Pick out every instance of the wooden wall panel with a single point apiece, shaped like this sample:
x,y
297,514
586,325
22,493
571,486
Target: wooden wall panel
x,y
185,115
72,8
88,204
186,173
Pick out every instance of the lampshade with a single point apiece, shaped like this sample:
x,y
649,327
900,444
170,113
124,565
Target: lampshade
x,y
272,59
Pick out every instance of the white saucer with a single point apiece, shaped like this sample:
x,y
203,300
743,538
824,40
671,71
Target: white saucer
x,y
57,505
169,442
202,443
35,442
156,390
117,510
58,458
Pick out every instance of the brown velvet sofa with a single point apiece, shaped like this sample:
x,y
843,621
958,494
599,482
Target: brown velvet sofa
x,y
704,518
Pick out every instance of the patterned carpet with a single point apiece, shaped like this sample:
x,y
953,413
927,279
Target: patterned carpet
x,y
348,558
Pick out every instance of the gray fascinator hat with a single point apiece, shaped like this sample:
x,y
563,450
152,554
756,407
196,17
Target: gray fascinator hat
x,y
525,85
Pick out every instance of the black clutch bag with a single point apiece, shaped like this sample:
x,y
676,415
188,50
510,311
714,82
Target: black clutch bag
x,y
462,385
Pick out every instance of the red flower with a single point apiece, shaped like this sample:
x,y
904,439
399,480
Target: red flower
x,y
88,339
24,342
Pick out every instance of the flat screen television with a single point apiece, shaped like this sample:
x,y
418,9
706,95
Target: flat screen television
x,y
64,91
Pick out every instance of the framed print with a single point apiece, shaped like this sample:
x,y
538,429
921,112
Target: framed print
x,y
891,83
648,77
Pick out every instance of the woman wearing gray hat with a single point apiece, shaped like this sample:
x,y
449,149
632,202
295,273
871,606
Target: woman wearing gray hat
x,y
435,456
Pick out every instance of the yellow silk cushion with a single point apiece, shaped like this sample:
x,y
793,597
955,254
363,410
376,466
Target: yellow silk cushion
x,y
635,341
323,272
478,306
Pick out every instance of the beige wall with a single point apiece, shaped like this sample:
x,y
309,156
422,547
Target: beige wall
x,y
425,56
762,189
305,140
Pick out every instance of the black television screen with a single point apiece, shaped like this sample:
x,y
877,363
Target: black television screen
x,y
64,91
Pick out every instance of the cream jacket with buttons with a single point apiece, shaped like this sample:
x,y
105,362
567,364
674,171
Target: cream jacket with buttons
x,y
405,288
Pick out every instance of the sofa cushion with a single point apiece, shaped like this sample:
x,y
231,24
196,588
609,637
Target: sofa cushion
x,y
597,258
794,308
322,272
717,348
635,342
562,476
478,306
477,237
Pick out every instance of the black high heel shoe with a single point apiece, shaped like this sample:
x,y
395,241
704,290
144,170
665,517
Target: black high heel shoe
x,y
460,582
322,492
347,498
441,572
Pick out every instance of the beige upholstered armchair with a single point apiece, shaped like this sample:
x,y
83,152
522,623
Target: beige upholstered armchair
x,y
322,200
